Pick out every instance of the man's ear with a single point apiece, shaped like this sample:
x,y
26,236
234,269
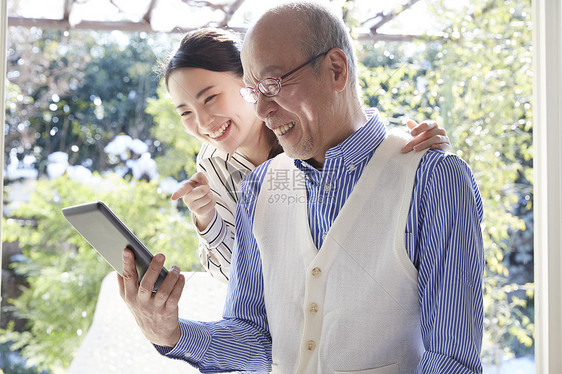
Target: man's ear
x,y
338,68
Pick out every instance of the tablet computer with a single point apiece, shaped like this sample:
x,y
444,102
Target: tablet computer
x,y
109,236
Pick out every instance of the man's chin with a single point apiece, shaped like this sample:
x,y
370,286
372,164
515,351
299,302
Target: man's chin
x,y
300,151
292,153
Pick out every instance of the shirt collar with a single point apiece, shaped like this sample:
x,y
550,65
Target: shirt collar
x,y
208,151
360,145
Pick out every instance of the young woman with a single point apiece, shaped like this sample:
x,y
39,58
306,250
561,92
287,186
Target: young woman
x,y
204,78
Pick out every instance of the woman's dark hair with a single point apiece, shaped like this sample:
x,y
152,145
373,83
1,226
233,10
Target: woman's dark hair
x,y
210,49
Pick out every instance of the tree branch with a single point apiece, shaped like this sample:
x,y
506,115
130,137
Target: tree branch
x,y
67,9
230,12
204,3
387,17
148,15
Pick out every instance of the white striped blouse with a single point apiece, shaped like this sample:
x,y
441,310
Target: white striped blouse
x,y
443,240
224,172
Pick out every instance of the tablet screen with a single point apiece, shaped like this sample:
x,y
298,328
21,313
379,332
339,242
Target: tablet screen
x,y
108,235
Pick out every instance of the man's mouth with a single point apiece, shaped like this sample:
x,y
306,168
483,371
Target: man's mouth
x,y
220,131
282,130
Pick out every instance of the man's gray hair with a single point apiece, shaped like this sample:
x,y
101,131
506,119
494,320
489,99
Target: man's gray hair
x,y
324,30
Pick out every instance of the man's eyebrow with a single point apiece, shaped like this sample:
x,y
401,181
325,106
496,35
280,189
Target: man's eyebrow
x,y
272,71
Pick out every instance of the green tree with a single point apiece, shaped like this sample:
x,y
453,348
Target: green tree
x,y
179,149
486,62
63,272
44,66
476,80
78,91
89,89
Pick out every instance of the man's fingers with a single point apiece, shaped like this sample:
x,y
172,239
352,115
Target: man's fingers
x,y
175,295
129,278
121,286
150,277
167,286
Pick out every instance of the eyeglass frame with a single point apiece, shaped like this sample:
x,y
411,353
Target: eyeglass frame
x,y
249,92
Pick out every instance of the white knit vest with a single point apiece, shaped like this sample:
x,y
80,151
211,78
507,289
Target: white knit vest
x,y
353,304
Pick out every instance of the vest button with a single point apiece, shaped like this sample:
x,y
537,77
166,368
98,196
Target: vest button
x,y
311,345
313,308
316,272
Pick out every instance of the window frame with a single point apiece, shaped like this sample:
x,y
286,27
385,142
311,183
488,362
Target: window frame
x,y
547,139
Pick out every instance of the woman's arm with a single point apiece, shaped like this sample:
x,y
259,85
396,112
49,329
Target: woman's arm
x,y
215,247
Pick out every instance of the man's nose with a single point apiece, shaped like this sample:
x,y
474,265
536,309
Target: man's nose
x,y
264,107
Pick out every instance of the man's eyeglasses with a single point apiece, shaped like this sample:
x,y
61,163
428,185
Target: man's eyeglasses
x,y
272,86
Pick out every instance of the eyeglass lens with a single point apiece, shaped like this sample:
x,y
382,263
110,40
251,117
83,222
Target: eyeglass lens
x,y
271,86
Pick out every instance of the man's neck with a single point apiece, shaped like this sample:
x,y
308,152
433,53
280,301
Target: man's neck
x,y
355,117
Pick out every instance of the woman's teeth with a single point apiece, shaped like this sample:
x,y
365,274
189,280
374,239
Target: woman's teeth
x,y
281,130
220,131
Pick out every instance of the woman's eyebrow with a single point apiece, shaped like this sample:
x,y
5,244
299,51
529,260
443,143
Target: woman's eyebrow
x,y
200,93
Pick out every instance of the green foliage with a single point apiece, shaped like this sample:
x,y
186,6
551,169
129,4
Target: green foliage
x,y
64,273
395,82
12,363
180,149
74,92
83,89
477,82
493,132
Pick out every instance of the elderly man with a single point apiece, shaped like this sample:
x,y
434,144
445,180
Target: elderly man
x,y
350,256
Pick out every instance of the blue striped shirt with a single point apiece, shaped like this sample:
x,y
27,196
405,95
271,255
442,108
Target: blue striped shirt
x,y
443,240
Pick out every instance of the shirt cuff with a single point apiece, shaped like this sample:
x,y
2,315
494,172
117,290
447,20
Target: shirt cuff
x,y
162,350
433,362
214,233
193,344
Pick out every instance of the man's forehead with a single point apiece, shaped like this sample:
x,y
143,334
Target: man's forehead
x,y
263,61
270,47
